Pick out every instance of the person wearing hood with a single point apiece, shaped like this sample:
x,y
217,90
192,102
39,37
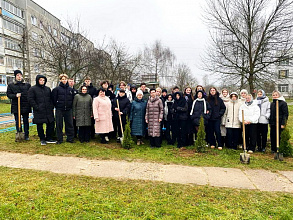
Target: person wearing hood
x,y
103,115
169,122
218,109
164,95
200,107
124,105
93,93
243,94
180,109
153,117
137,114
83,112
283,117
20,89
188,96
231,121
62,97
226,98
251,116
39,97
263,103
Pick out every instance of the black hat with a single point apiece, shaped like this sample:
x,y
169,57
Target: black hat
x,y
164,90
17,72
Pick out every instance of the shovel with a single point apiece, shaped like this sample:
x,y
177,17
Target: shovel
x,y
244,157
121,139
19,136
278,156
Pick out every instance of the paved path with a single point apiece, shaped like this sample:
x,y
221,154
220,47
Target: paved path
x,y
213,176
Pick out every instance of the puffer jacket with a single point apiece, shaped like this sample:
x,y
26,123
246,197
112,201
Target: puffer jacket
x,y
217,110
283,112
198,111
62,97
124,105
82,109
265,110
251,113
231,116
39,97
19,87
137,117
154,112
180,107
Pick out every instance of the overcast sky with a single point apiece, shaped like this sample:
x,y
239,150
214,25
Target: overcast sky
x,y
177,23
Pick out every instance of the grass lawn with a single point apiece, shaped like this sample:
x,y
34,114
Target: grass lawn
x,y
5,108
27,194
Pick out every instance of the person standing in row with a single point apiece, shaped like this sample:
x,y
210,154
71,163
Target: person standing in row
x,y
62,97
218,109
145,91
188,96
82,113
20,89
264,104
169,120
124,106
153,117
137,117
251,116
75,91
103,115
123,86
39,97
231,121
283,117
200,107
226,98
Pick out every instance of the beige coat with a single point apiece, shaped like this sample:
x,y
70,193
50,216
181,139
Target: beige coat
x,y
102,111
231,116
154,112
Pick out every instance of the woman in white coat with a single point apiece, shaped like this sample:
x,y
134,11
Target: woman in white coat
x,y
264,105
251,116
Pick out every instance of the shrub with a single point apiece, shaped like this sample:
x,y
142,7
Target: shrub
x,y
127,142
285,145
200,143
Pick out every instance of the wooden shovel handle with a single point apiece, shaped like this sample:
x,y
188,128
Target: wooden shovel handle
x,y
277,124
18,111
243,128
119,117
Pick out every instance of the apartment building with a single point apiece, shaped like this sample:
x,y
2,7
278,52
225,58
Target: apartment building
x,y
284,79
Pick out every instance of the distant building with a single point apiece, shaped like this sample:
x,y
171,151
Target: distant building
x,y
284,77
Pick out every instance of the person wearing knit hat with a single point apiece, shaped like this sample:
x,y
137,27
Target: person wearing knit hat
x,y
16,89
226,98
137,114
243,94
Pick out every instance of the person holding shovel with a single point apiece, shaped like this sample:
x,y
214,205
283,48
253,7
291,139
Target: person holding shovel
x,y
283,117
123,109
39,97
251,116
19,90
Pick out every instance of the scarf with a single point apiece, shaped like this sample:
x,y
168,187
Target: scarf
x,y
249,103
204,105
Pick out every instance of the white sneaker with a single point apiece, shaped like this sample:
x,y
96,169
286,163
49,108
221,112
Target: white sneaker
x,y
106,138
212,146
220,148
250,151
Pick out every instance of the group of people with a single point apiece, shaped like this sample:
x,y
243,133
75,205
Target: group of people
x,y
153,113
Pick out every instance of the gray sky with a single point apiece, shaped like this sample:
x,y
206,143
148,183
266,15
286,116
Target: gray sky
x,y
177,23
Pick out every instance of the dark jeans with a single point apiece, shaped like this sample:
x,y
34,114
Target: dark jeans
x,y
155,141
75,128
213,128
189,133
262,136
68,119
84,133
117,126
25,123
273,135
233,137
49,131
180,132
170,128
250,136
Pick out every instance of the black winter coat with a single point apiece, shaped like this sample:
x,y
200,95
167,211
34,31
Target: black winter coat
x,y
283,113
110,95
62,97
91,90
12,90
217,110
198,111
180,108
40,99
124,105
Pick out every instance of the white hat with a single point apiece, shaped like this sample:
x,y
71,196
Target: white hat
x,y
139,92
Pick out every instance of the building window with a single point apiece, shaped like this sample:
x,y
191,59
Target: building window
x,y
41,25
34,20
34,36
1,60
283,74
36,52
283,87
49,29
284,61
12,45
12,27
54,32
36,68
12,9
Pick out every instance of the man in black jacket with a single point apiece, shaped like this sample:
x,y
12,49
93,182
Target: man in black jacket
x,y
39,97
62,97
20,89
75,91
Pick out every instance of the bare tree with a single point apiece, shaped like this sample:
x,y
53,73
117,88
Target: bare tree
x,y
183,76
157,60
248,37
114,63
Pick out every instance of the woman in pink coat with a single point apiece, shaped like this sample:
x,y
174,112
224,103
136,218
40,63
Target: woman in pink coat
x,y
102,115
